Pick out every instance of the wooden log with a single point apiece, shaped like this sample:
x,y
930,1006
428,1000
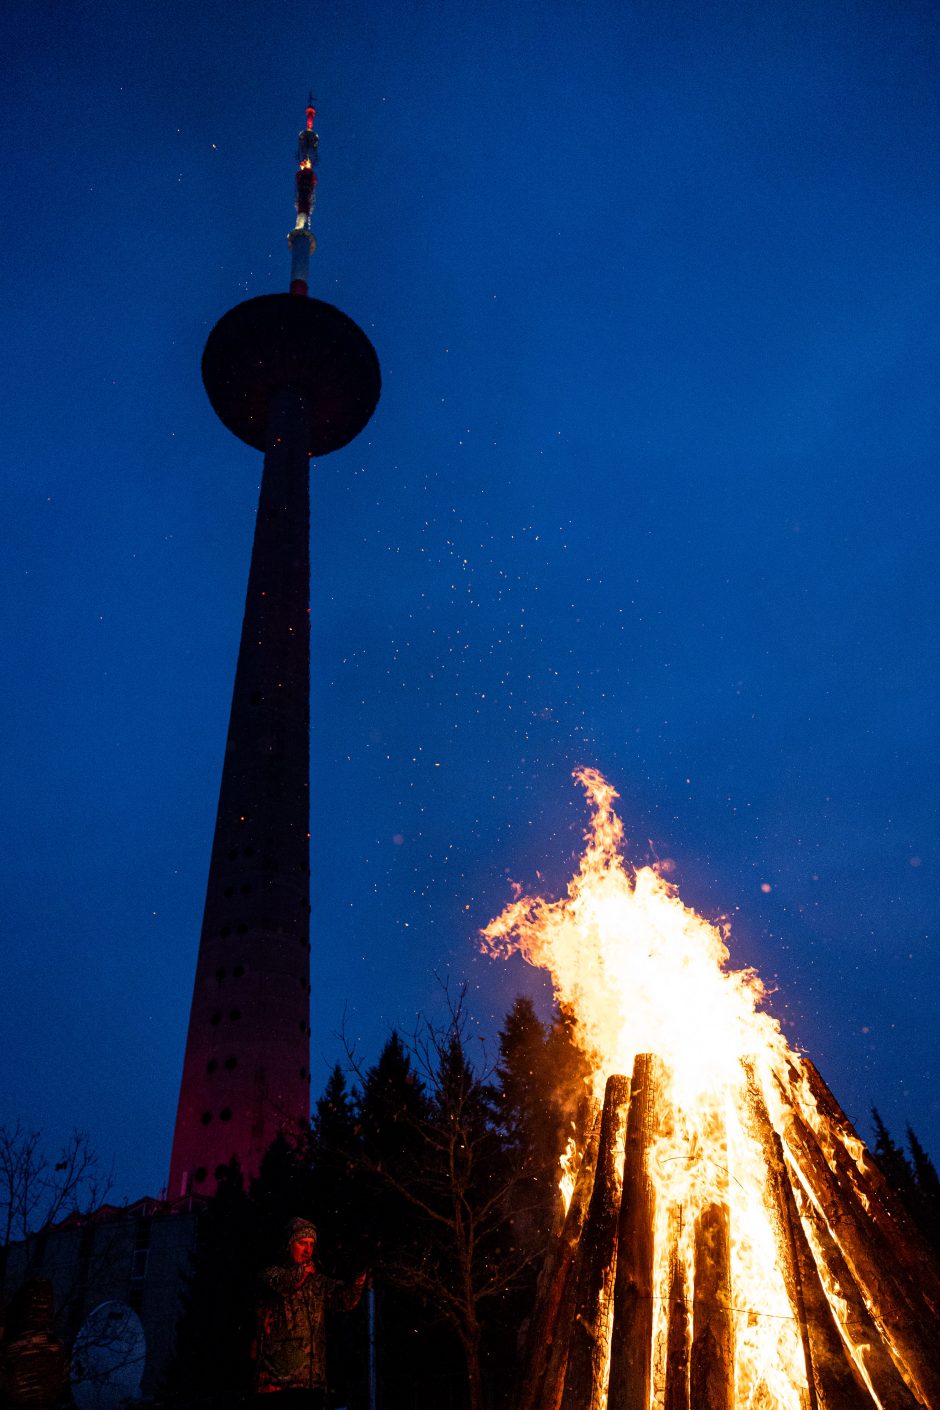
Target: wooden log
x,y
632,1331
873,1265
711,1369
547,1340
678,1335
877,1198
783,1217
839,1384
860,1328
589,1342
833,1382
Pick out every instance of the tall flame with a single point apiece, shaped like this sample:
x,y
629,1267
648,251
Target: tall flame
x,y
643,973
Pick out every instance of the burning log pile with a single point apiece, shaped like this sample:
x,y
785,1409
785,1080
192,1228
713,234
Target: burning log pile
x,y
729,1244
638,1301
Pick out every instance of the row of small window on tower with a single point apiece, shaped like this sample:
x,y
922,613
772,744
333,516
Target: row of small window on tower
x,y
235,1014
268,863
226,1113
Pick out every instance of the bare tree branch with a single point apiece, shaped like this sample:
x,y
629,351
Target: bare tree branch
x,y
36,1191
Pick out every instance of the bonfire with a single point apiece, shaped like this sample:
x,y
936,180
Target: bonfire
x,y
729,1243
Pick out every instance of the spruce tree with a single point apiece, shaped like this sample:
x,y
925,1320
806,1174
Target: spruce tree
x,y
282,1190
521,1089
914,1181
894,1164
335,1178
392,1109
925,1172
540,1101
928,1193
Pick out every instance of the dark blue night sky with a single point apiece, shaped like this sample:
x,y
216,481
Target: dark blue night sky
x,y
651,488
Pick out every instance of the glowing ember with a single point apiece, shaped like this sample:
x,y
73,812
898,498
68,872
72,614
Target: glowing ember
x,y
735,1215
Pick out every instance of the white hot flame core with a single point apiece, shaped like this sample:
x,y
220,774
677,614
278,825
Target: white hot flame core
x,y
643,973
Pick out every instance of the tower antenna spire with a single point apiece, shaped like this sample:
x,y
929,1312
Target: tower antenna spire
x,y
301,239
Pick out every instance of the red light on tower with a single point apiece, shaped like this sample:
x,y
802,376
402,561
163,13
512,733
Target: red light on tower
x,y
302,243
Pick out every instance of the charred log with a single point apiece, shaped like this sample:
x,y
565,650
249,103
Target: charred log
x,y
861,1289
678,1336
631,1341
839,1385
860,1328
711,1371
550,1329
783,1219
588,1351
832,1380
876,1195
896,1306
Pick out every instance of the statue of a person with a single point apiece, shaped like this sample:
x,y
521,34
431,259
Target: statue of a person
x,y
290,1350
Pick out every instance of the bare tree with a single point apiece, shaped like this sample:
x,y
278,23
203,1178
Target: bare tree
x,y
37,1190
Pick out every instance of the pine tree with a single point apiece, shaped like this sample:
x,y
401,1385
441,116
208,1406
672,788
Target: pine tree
x,y
334,1117
336,1202
571,1076
914,1180
335,1182
925,1172
928,1193
282,1190
523,1098
540,1101
393,1115
894,1164
392,1110
393,1104
464,1200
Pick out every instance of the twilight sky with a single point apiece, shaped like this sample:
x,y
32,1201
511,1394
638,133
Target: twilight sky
x,y
651,487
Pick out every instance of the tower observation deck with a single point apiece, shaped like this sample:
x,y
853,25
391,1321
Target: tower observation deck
x,y
295,378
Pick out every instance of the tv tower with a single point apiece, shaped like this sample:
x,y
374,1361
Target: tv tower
x,y
295,378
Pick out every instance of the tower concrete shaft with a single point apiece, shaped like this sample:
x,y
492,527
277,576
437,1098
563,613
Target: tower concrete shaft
x,y
293,377
246,1070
